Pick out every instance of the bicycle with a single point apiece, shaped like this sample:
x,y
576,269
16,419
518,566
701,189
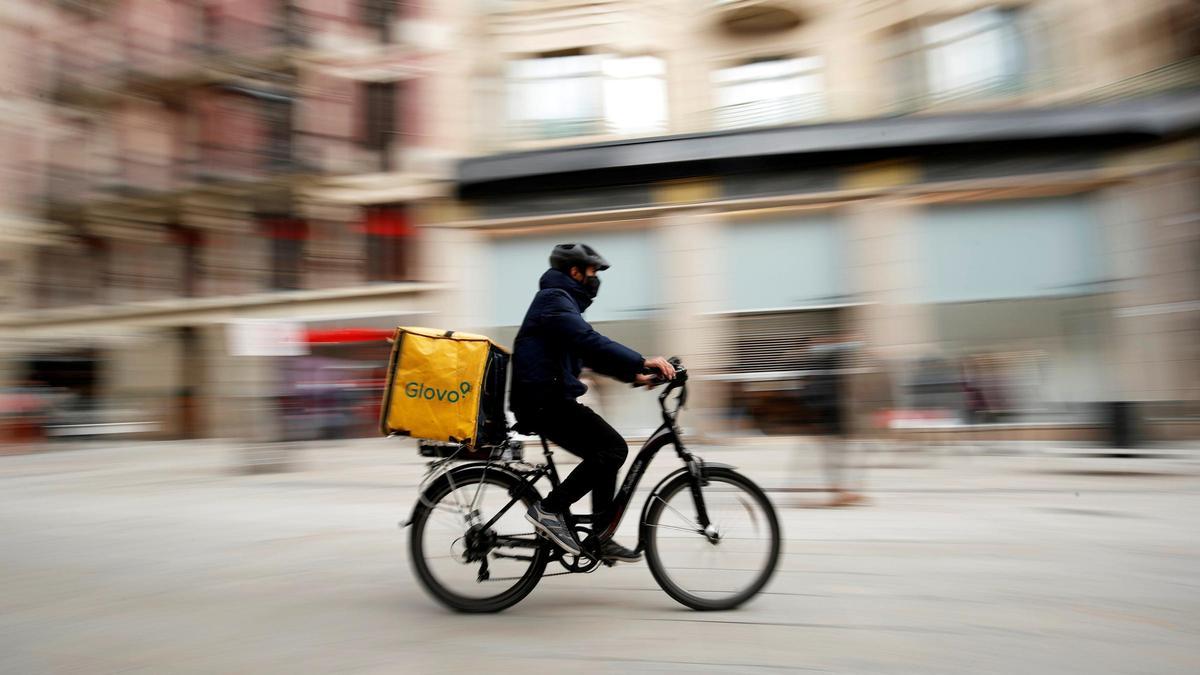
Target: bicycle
x,y
485,532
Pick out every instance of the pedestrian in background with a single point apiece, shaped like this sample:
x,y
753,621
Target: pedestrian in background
x,y
827,406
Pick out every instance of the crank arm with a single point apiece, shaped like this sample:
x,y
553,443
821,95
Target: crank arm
x,y
517,542
507,556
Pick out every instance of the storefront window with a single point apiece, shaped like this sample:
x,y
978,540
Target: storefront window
x,y
1016,292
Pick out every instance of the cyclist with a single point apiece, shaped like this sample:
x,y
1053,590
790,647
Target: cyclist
x,y
551,349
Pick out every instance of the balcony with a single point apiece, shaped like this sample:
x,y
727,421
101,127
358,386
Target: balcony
x,y
221,162
755,17
780,111
542,130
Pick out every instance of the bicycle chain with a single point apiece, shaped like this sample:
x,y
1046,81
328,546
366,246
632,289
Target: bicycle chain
x,y
551,574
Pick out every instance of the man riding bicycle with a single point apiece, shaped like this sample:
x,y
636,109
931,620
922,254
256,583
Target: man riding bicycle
x,y
551,349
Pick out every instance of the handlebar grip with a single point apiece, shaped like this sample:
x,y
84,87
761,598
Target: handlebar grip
x,y
676,363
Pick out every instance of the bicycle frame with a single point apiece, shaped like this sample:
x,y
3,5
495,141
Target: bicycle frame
x,y
666,433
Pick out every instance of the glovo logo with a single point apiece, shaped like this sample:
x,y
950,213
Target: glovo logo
x,y
420,390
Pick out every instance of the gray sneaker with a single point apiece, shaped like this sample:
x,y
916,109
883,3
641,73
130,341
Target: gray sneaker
x,y
554,527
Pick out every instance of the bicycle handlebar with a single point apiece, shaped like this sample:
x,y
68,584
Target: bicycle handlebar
x,y
680,374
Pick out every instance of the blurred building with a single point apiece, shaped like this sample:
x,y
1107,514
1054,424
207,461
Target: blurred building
x,y
1002,197
178,167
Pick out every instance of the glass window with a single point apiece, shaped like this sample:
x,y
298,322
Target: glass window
x,y
634,95
785,263
390,237
629,290
770,91
586,94
379,120
1010,249
973,54
288,236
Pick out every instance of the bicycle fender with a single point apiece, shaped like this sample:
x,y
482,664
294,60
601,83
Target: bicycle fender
x,y
437,483
704,467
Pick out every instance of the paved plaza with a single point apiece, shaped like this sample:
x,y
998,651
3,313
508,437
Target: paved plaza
x,y
165,558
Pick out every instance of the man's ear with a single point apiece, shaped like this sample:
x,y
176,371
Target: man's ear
x,y
576,274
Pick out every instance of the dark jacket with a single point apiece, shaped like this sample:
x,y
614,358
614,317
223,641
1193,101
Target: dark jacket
x,y
555,343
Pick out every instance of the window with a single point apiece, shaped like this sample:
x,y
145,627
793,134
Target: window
x,y
769,91
389,235
189,241
635,99
244,131
277,118
786,262
586,94
379,121
287,235
378,15
973,55
1010,249
1017,287
516,264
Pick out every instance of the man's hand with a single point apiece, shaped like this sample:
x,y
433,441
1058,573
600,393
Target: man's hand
x,y
665,370
644,380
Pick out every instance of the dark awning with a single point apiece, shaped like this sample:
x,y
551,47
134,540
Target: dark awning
x,y
1135,120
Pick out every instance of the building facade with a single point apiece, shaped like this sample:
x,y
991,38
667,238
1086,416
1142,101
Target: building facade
x,y
200,169
999,199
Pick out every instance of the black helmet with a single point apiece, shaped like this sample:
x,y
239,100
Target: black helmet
x,y
566,256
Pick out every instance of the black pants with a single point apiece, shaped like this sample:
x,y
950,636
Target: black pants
x,y
579,430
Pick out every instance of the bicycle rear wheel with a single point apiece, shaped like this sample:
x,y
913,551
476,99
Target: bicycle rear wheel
x,y
725,566
464,566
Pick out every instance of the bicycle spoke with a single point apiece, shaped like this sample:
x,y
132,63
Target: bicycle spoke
x,y
472,517
672,527
713,572
479,489
454,493
449,517
689,521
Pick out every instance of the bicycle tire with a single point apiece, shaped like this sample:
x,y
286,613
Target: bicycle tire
x,y
460,603
660,572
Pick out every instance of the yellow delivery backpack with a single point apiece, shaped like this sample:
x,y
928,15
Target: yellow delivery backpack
x,y
445,386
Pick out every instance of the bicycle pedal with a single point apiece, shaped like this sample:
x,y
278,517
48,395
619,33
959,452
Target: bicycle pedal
x,y
609,563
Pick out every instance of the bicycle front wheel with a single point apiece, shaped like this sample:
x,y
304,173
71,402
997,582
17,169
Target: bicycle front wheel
x,y
724,565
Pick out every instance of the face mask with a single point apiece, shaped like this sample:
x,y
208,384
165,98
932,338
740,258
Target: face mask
x,y
591,286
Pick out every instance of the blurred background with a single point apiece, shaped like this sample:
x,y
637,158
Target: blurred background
x,y
213,211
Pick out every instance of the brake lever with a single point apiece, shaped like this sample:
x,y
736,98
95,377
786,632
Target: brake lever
x,y
680,374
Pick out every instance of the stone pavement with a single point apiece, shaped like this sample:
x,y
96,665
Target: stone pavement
x,y
162,558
